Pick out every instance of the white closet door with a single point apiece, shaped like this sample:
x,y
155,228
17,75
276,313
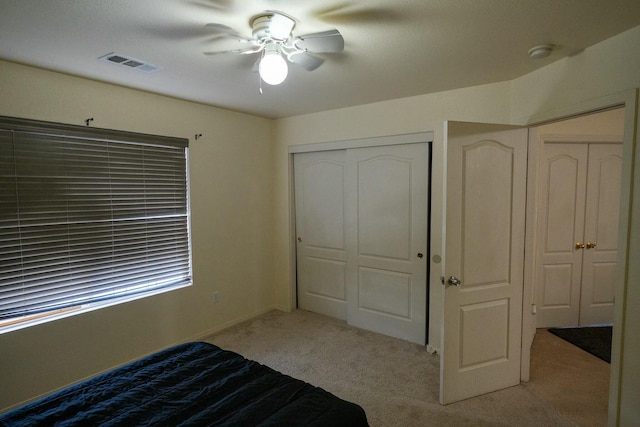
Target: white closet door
x,y
320,229
578,240
361,225
561,224
387,222
600,258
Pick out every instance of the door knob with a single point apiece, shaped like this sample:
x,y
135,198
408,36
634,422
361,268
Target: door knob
x,y
420,255
453,281
590,245
579,245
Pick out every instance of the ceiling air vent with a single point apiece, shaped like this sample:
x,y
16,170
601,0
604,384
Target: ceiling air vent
x,y
128,62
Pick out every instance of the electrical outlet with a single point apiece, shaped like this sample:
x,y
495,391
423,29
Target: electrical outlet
x,y
215,296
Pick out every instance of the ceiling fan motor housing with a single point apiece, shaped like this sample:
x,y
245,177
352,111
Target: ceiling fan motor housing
x,y
272,35
272,25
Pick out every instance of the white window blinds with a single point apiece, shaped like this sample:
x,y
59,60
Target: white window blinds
x,y
88,215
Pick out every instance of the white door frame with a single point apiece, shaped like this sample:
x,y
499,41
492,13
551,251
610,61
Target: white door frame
x,y
579,140
629,100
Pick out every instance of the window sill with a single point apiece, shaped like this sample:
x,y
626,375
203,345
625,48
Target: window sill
x,y
15,324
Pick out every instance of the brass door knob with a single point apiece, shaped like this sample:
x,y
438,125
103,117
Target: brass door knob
x,y
579,245
590,245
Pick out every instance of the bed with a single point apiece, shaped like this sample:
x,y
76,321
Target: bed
x,y
192,384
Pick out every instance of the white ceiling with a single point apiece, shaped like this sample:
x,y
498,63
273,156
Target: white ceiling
x,y
393,48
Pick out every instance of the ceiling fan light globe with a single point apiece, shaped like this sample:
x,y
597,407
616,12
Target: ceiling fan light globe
x,y
273,68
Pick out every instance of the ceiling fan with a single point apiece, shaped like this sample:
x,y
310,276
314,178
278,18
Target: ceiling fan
x,y
272,36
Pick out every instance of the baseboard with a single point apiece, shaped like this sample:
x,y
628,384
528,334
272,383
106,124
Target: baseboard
x,y
234,322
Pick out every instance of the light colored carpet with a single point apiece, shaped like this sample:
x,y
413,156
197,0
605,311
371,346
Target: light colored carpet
x,y
574,381
396,382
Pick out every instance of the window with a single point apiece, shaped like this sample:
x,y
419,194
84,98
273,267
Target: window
x,y
89,215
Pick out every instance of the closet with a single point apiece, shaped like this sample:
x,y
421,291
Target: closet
x,y
576,255
361,236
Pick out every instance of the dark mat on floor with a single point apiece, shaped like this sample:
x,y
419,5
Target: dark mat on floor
x,y
594,339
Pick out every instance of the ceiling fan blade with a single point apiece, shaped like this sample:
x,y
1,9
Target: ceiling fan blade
x,y
306,61
256,65
217,6
243,51
226,31
325,41
349,14
221,4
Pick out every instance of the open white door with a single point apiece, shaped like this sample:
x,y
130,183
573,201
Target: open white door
x,y
485,195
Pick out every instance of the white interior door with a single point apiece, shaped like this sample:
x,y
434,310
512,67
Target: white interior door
x,y
387,238
484,256
576,260
320,229
600,255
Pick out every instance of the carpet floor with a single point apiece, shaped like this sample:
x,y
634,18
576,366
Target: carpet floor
x,y
396,382
573,381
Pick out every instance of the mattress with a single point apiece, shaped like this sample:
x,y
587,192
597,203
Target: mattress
x,y
192,384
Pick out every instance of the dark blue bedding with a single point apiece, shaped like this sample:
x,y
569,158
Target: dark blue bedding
x,y
193,384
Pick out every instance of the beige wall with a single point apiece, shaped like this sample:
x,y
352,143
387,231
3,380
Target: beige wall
x,y
241,203
231,172
600,76
550,92
487,103
603,124
595,78
560,88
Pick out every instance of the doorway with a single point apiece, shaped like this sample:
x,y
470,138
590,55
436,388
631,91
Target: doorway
x,y
453,289
587,150
577,252
577,199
